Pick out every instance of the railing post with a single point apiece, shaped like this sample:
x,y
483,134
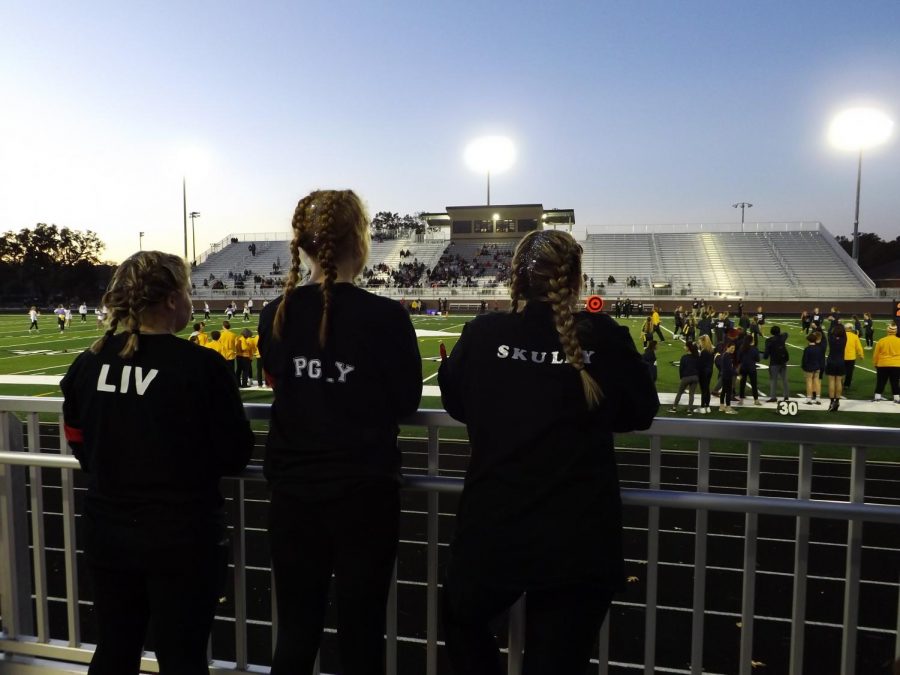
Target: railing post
x,y
652,558
700,531
67,481
240,582
431,620
801,563
751,531
15,579
854,555
42,623
515,646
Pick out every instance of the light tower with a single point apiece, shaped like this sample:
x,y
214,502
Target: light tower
x,y
858,129
490,154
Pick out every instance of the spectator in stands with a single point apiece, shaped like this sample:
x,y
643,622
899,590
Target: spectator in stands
x,y
154,535
886,359
852,352
811,363
332,460
777,353
541,511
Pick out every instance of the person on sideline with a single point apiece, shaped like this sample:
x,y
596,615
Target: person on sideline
x,y
777,353
540,512
835,366
154,524
886,358
654,318
332,460
705,367
852,352
688,371
228,340
811,364
868,330
728,371
747,358
649,357
33,317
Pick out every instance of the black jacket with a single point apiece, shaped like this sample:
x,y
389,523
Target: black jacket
x,y
541,504
334,417
154,434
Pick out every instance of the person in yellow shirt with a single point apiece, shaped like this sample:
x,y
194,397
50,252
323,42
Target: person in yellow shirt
x,y
213,342
244,351
253,344
201,337
229,347
654,317
852,350
886,358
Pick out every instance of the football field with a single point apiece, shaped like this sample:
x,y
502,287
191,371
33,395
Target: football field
x,y
31,364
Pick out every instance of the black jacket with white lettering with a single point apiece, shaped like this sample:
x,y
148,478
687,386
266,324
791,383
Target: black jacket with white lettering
x,y
154,434
541,504
334,417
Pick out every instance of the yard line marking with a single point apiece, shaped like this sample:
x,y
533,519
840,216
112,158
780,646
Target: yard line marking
x,y
429,377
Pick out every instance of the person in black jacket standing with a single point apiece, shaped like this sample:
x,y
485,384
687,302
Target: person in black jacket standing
x,y
154,533
540,512
332,460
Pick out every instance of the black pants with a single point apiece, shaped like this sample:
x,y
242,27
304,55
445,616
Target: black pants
x,y
704,389
752,376
658,332
177,606
725,391
245,374
882,375
355,538
561,627
849,367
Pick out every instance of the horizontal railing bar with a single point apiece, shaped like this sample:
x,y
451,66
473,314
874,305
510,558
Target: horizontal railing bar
x,y
729,430
635,497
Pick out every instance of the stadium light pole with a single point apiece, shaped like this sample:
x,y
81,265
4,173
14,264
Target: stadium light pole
x,y
742,206
140,241
859,129
184,209
192,215
490,153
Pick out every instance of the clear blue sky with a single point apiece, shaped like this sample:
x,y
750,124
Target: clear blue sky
x,y
628,112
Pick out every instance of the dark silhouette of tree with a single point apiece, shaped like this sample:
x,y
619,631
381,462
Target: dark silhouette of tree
x,y
48,262
875,254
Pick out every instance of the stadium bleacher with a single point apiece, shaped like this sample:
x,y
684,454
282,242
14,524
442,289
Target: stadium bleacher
x,y
764,260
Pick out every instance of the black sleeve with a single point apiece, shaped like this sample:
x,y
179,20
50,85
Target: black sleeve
x,y
72,423
630,398
401,347
450,376
230,436
269,347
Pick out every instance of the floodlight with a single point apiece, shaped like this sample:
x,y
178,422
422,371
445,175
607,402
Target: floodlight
x,y
490,154
860,129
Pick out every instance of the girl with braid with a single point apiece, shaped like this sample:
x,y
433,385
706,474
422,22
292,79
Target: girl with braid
x,y
154,525
541,390
332,460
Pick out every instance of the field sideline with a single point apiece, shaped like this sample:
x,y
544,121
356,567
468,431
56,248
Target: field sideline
x,y
48,353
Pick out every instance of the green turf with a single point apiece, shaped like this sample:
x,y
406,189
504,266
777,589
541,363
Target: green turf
x,y
49,352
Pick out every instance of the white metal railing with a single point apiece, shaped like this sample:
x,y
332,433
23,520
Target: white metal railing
x,y
23,568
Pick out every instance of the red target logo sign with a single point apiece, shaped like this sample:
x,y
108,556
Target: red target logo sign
x,y
594,304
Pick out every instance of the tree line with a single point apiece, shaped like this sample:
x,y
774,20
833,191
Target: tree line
x,y
880,259
49,265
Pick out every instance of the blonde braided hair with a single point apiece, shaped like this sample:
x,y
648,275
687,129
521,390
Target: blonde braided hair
x,y
547,266
138,284
331,227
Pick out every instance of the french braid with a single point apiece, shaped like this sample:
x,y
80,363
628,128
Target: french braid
x,y
547,266
141,282
330,226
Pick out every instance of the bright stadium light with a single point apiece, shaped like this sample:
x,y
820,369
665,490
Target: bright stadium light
x,y
859,129
490,154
